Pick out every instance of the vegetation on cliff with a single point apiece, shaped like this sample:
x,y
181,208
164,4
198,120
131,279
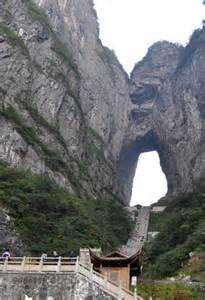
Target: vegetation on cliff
x,y
49,218
167,291
182,231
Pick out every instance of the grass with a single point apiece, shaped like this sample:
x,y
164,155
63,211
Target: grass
x,y
49,218
195,267
169,291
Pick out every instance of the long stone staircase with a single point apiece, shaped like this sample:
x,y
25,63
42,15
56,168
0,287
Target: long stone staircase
x,y
139,234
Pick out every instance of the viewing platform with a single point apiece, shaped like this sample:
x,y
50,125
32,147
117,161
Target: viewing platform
x,y
64,265
38,264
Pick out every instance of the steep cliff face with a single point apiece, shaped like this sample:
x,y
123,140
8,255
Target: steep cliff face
x,y
64,97
167,90
69,111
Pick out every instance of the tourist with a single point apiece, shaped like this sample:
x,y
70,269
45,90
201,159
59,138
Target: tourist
x,y
6,253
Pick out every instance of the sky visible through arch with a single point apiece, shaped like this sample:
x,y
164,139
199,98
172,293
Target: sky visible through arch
x,y
129,27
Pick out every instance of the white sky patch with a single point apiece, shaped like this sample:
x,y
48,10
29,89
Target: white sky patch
x,y
148,176
130,27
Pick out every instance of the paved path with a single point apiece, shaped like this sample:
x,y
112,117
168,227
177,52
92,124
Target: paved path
x,y
139,234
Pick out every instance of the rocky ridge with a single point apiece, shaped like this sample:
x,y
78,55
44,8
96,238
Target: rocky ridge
x,y
64,96
167,91
68,109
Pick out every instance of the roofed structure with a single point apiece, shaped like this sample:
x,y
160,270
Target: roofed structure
x,y
117,267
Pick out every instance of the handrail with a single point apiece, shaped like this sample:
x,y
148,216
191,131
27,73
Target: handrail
x,y
38,264
63,264
114,288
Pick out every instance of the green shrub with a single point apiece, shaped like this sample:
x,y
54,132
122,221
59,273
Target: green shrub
x,y
49,218
182,230
169,291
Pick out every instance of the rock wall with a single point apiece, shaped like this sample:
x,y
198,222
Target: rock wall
x,y
9,237
64,97
167,91
68,109
49,287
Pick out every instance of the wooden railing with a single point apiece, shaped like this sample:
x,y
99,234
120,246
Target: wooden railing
x,y
62,264
117,291
38,264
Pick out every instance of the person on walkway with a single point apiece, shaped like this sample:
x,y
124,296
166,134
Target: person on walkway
x,y
72,256
6,253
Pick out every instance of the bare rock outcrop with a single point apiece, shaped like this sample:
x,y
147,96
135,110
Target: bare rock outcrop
x,y
68,109
64,97
167,90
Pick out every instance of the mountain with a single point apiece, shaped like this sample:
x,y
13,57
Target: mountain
x,y
63,114
167,90
69,112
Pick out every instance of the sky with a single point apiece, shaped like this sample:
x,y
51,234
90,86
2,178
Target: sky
x,y
149,182
130,27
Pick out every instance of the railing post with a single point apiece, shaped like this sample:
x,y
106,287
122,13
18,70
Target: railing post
x,y
105,280
23,263
91,278
91,271
120,291
77,264
5,264
59,264
41,264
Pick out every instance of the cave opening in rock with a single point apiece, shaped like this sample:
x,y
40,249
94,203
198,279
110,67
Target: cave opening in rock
x,y
149,183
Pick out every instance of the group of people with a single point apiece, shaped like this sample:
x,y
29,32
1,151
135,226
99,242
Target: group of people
x,y
6,254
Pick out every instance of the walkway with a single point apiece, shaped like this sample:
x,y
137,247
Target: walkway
x,y
64,265
139,235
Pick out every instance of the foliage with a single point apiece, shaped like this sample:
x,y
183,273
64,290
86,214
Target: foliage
x,y
182,230
49,218
195,266
168,291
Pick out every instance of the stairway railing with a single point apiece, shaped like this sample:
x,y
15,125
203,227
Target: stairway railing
x,y
64,264
117,291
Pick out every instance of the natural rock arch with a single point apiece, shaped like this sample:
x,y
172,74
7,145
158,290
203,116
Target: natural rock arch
x,y
166,116
130,155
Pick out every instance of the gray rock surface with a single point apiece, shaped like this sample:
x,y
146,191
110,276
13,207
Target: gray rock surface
x,y
64,97
9,237
49,287
167,90
68,109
